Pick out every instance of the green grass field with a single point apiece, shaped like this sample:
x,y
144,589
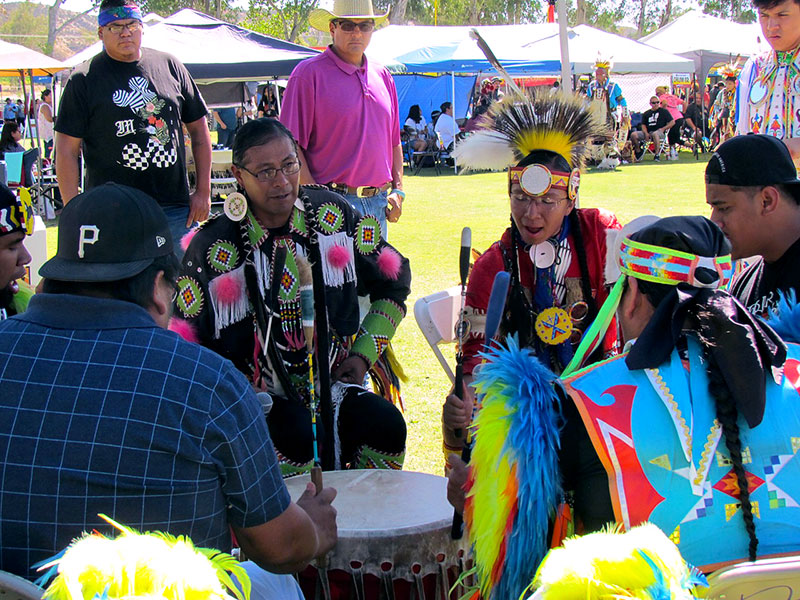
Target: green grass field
x,y
429,234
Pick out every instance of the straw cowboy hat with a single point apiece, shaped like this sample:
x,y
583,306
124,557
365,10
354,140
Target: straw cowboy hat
x,y
346,9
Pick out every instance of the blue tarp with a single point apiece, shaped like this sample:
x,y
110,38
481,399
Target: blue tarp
x,y
466,57
430,92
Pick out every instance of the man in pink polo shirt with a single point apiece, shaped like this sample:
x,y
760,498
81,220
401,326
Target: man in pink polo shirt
x,y
342,110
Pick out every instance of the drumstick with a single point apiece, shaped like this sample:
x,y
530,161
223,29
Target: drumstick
x,y
487,52
463,266
307,312
494,314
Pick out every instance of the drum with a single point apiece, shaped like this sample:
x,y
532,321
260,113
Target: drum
x,y
394,535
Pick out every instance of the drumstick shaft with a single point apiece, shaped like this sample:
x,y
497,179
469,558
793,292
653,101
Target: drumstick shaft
x,y
463,267
494,313
316,477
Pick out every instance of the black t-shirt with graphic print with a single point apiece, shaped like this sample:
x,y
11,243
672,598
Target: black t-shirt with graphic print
x,y
656,119
129,117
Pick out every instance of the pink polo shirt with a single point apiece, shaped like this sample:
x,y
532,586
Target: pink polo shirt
x,y
673,105
345,118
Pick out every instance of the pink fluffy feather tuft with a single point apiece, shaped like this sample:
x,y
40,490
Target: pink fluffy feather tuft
x,y
187,238
389,262
338,257
184,329
229,288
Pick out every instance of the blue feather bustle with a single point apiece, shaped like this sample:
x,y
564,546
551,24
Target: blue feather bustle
x,y
785,318
533,444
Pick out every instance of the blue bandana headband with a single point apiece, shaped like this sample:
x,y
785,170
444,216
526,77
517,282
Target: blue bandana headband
x,y
117,13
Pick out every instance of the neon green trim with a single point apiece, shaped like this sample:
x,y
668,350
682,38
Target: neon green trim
x,y
659,249
597,330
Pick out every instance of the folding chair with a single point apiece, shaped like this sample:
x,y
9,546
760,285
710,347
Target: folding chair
x,y
768,579
13,587
650,147
419,156
437,317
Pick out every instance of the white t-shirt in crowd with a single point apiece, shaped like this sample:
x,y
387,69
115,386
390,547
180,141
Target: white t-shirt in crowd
x,y
446,127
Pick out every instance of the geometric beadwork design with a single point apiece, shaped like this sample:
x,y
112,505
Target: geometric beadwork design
x,y
675,536
722,460
189,299
731,509
747,457
289,283
795,444
729,484
330,218
368,234
222,256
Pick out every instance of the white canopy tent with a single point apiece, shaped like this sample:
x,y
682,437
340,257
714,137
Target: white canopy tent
x,y
708,40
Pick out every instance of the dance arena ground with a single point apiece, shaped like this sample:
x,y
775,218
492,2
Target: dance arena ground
x,y
429,234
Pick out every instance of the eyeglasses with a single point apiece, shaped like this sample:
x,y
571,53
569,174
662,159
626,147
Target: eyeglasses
x,y
270,173
350,26
543,203
116,28
653,103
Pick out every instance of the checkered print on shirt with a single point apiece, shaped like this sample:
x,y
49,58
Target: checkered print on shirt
x,y
135,423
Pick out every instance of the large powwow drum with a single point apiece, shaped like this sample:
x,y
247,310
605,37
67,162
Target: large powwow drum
x,y
394,537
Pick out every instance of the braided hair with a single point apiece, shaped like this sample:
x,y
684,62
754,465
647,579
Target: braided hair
x,y
727,413
727,416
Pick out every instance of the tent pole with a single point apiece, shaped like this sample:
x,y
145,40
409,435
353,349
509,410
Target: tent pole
x,y
566,67
453,89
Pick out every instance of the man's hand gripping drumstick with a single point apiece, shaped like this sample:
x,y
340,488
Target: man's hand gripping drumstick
x,y
494,314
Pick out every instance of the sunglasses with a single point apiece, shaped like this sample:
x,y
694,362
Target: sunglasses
x,y
350,26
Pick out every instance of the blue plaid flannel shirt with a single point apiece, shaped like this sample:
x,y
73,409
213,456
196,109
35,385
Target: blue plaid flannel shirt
x,y
102,411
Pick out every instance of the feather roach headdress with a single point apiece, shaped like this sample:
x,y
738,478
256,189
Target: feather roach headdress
x,y
731,70
642,564
152,565
603,63
542,119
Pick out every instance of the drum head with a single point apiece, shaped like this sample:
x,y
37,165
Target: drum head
x,y
397,518
378,502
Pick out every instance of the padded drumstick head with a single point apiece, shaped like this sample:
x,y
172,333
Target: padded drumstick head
x,y
466,246
497,302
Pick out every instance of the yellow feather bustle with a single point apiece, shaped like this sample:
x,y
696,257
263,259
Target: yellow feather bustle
x,y
543,119
641,564
152,565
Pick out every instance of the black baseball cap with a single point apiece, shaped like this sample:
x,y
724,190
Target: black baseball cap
x,y
108,233
752,160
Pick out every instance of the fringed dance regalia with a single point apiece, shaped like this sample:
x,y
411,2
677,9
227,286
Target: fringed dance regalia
x,y
768,95
723,111
229,266
687,479
617,116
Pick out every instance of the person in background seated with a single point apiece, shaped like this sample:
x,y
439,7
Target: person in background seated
x,y
9,142
446,127
417,128
655,123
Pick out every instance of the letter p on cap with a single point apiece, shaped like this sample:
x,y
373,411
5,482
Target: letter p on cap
x,y
84,238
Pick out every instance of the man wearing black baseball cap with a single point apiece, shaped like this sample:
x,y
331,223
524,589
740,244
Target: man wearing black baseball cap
x,y
754,194
104,410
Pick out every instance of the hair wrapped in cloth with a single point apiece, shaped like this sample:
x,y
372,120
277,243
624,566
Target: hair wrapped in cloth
x,y
642,564
153,565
